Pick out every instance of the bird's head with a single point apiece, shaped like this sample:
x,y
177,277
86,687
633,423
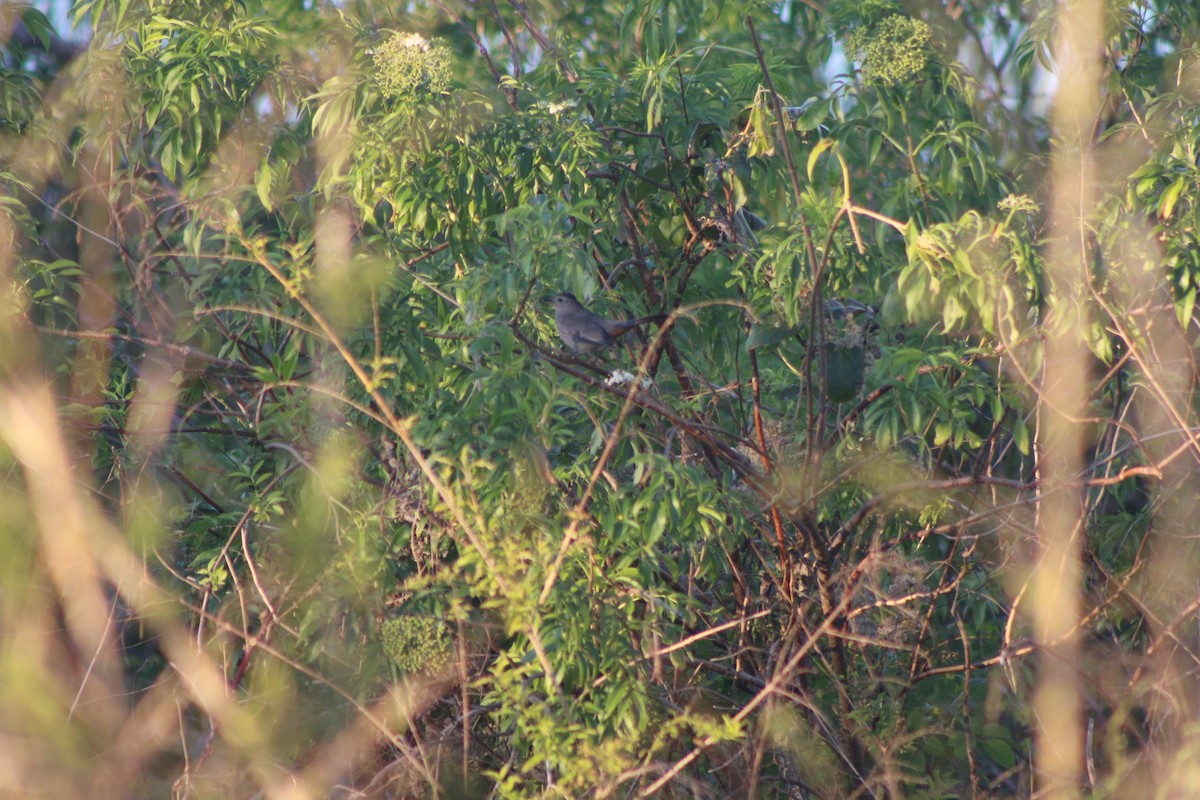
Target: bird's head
x,y
565,300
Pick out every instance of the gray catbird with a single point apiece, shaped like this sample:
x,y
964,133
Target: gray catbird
x,y
583,331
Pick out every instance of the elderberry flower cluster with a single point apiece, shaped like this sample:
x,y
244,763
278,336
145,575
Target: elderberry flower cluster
x,y
408,62
891,50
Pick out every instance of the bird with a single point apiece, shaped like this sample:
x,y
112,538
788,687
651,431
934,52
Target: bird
x,y
847,307
585,332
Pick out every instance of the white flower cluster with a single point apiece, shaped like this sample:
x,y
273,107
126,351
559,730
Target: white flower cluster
x,y
414,40
620,377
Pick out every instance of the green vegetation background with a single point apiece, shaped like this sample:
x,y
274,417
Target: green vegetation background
x,y
302,496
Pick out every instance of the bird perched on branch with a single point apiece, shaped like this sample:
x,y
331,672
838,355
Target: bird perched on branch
x,y
585,332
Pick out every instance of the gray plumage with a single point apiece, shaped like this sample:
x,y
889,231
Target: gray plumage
x,y
585,332
839,307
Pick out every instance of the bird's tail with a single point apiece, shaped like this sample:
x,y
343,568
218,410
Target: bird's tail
x,y
658,319
625,327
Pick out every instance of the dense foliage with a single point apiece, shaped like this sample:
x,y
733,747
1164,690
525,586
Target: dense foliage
x,y
303,496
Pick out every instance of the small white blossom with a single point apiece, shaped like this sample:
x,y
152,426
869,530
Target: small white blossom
x,y
415,40
621,377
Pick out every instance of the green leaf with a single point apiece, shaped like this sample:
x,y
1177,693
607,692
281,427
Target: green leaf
x,y
941,432
996,742
814,113
766,334
1021,436
1184,307
38,25
262,184
820,148
1166,205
